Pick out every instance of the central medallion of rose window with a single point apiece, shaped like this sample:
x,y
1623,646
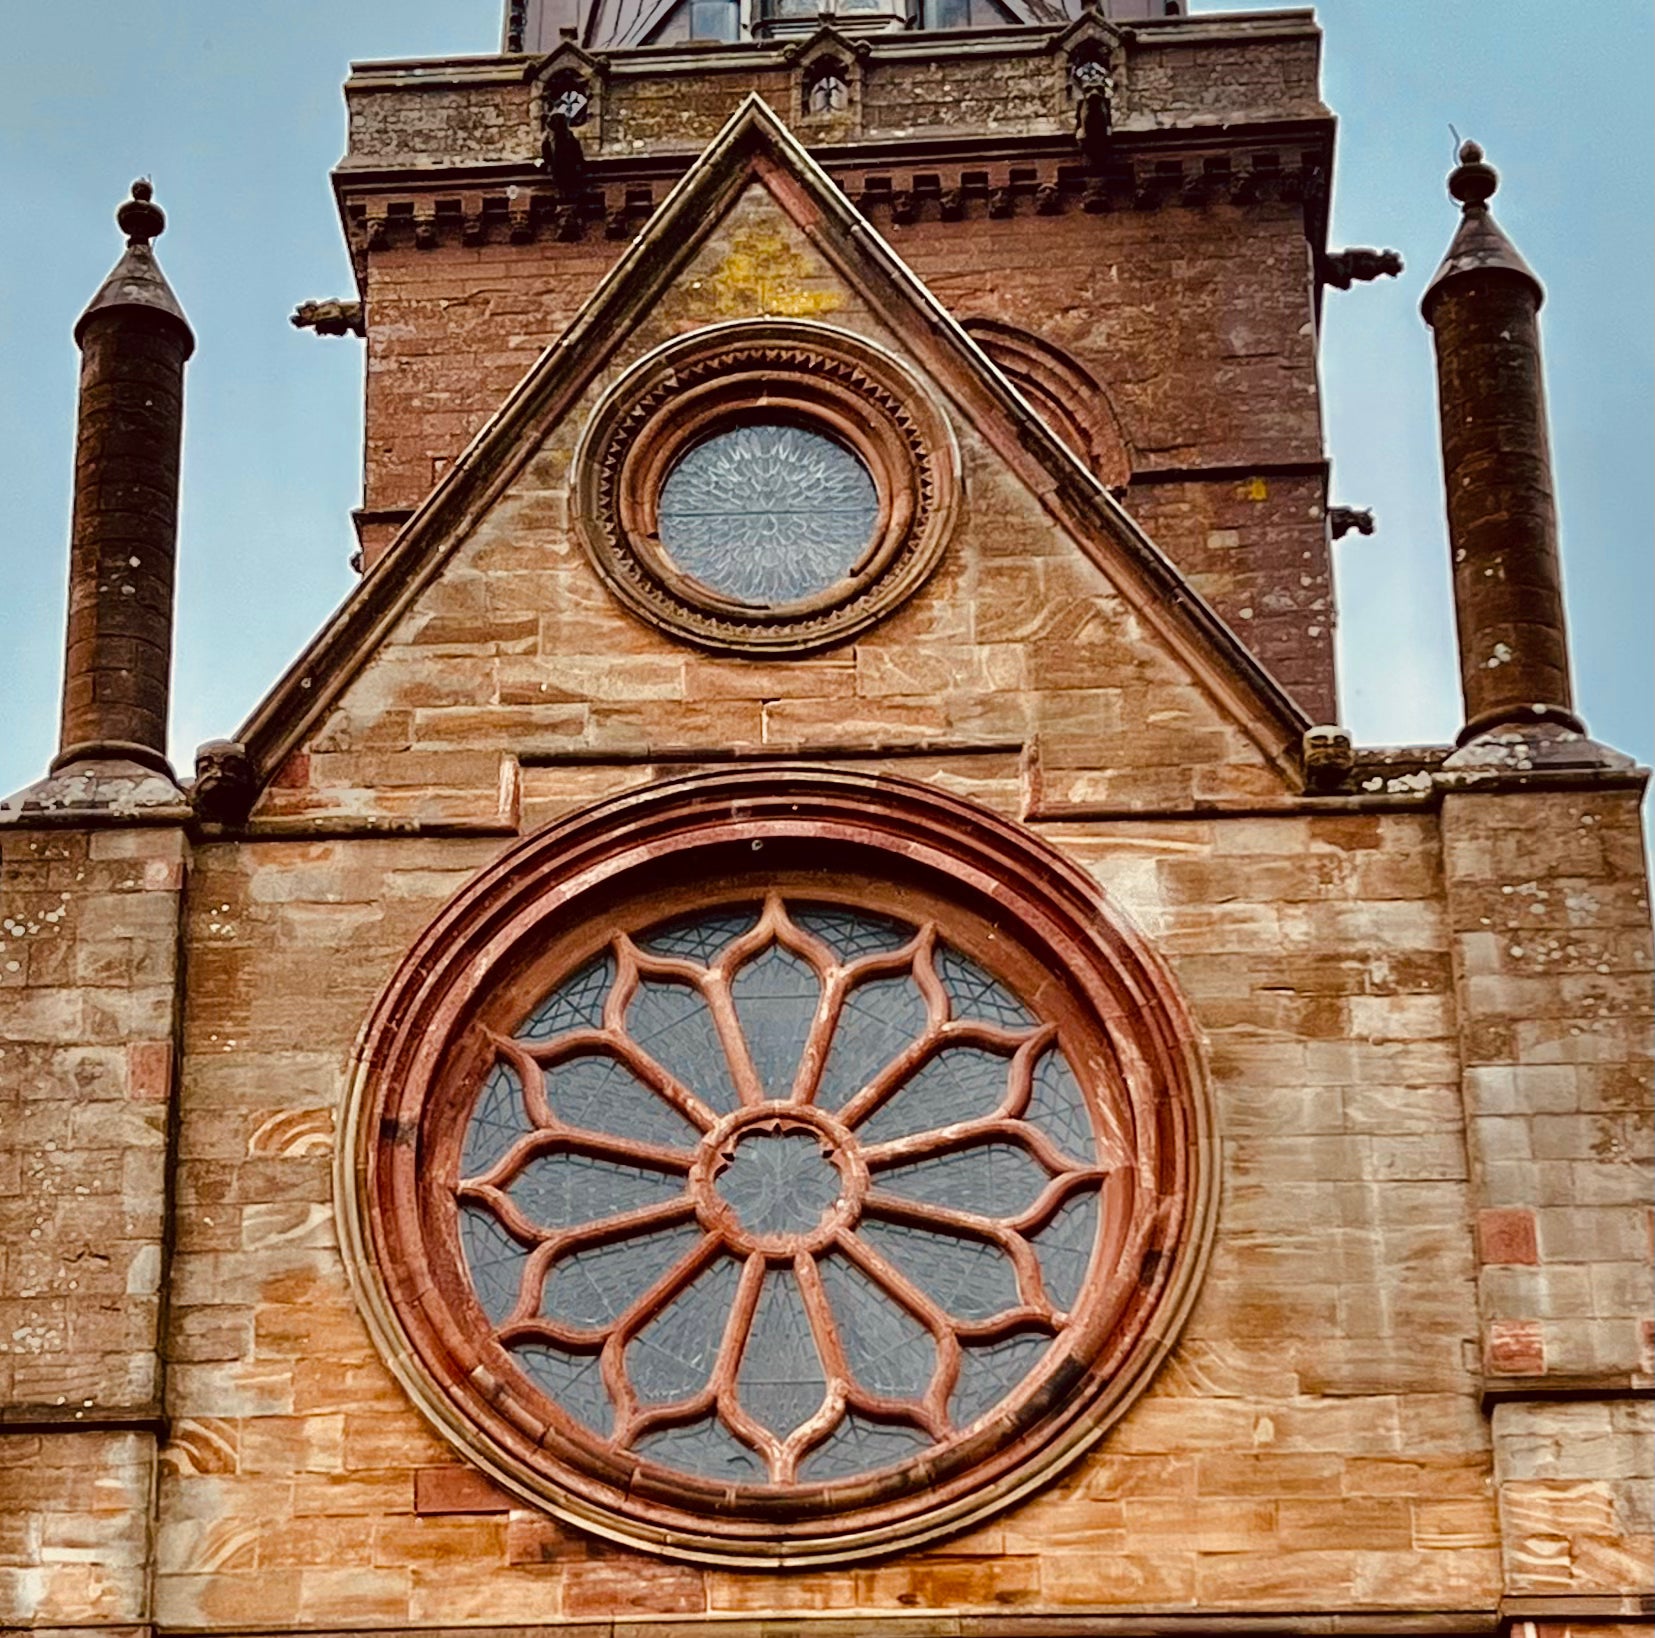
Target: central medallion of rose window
x,y
779,1181
784,1193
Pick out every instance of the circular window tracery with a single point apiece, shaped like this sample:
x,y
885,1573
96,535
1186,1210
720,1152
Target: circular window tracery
x,y
839,1200
779,1167
768,512
768,487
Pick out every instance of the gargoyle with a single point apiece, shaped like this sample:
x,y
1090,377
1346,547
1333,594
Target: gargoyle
x,y
329,318
1343,268
225,784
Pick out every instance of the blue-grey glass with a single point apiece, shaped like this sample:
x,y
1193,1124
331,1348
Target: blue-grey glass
x,y
779,1182
976,996
879,1020
706,1447
991,1179
495,1261
858,1445
851,934
1057,1108
768,513
577,1003
599,1094
781,1382
574,1382
970,1279
1065,1245
565,1190
889,1352
497,1122
990,1370
961,1083
775,996
673,1356
672,1024
597,1285
698,937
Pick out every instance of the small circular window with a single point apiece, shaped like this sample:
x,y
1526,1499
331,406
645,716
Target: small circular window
x,y
784,1167
768,513
769,487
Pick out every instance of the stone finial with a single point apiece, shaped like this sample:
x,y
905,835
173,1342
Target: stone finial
x,y
136,284
1480,245
134,341
1472,181
1483,310
139,217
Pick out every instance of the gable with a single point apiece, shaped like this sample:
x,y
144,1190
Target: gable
x,y
1051,633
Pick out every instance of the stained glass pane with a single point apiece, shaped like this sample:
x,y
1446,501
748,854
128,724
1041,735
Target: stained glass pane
x,y
672,1024
565,1190
991,1179
699,937
858,1445
577,1003
1065,1247
673,1356
498,1121
1057,1108
850,934
768,513
878,1021
990,1370
976,996
775,997
596,1286
960,1083
780,1182
706,1447
494,1259
971,1279
574,1382
781,1381
596,1093
889,1352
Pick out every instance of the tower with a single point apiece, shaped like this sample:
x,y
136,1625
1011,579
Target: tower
x,y
797,1017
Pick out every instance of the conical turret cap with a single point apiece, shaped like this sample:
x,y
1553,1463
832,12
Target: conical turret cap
x,y
1480,244
136,281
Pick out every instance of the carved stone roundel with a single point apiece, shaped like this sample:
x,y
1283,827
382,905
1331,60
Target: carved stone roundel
x,y
785,1166
769,487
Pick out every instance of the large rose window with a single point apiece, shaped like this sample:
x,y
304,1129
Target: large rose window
x,y
781,1193
777,1170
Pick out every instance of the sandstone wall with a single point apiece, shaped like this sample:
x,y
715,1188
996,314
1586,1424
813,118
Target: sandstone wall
x,y
89,976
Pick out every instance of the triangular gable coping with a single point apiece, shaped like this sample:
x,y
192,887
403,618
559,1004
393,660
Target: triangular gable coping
x,y
755,144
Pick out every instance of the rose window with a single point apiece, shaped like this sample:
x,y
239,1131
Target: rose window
x,y
781,1194
781,1166
768,513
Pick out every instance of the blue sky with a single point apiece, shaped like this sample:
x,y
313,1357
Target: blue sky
x,y
235,111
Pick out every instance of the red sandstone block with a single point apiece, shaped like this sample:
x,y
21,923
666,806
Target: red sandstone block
x,y
1515,1348
149,1070
294,774
457,1490
1507,1235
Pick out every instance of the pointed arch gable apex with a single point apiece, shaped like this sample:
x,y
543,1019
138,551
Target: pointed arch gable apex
x,y
756,146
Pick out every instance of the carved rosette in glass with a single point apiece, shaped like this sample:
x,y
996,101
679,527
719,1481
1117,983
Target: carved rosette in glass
x,y
785,1193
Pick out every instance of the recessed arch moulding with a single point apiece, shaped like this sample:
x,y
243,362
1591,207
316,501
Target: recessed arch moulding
x,y
777,1167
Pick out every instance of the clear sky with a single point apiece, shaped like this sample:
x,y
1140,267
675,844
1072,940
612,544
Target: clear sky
x,y
235,111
